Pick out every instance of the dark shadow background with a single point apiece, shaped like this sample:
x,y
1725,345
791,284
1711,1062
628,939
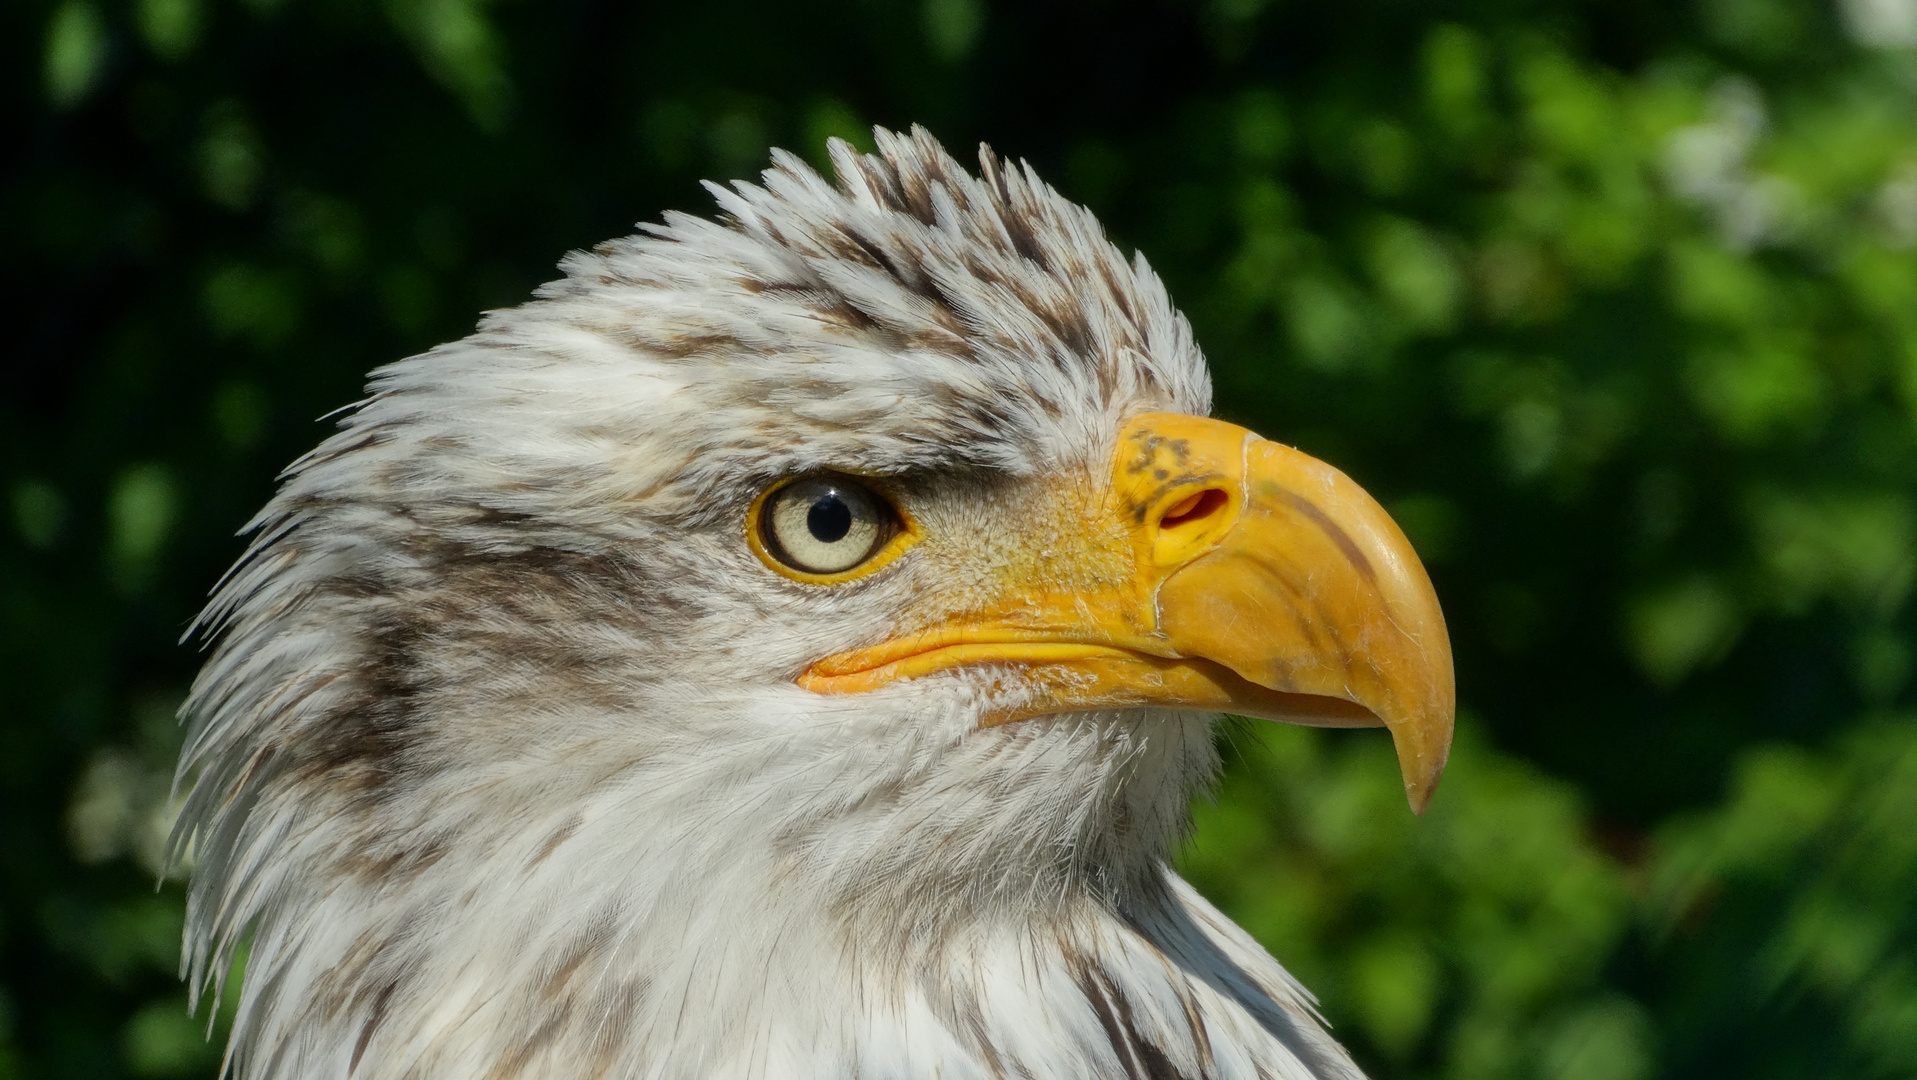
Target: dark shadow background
x,y
1614,304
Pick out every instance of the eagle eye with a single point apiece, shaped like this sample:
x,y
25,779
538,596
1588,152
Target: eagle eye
x,y
824,525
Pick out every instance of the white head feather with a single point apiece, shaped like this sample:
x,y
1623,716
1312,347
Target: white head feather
x,y
500,762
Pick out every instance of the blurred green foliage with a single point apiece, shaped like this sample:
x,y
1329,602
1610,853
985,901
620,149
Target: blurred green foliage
x,y
1613,302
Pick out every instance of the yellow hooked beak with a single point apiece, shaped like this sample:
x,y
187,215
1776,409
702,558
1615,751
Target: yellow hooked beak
x,y
1225,572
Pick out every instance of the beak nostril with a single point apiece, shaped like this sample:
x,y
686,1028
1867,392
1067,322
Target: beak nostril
x,y
1196,507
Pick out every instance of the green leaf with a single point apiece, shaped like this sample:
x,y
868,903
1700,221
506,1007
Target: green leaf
x,y
75,47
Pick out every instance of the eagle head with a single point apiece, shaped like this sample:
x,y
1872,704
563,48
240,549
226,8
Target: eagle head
x,y
785,647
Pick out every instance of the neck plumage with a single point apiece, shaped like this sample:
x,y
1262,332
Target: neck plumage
x,y
767,885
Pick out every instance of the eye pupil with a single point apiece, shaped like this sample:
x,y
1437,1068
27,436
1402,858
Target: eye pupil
x,y
829,519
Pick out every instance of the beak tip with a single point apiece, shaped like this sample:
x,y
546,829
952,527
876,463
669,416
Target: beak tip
x,y
1419,796
1422,762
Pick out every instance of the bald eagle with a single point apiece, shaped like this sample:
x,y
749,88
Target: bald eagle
x,y
785,647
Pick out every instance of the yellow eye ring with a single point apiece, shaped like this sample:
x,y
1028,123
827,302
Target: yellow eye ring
x,y
827,528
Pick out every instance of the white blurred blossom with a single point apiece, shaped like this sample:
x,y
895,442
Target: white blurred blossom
x,y
1897,206
123,808
1709,165
1880,24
